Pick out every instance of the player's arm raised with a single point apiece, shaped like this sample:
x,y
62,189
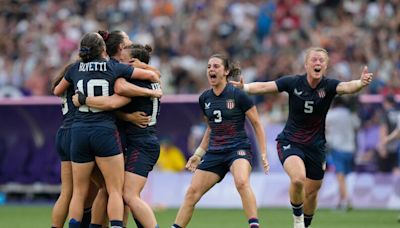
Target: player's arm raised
x,y
355,85
256,87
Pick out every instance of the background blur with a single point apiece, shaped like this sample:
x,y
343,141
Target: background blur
x,y
268,38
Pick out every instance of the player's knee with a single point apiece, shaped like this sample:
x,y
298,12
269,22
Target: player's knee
x,y
129,198
242,184
192,195
298,182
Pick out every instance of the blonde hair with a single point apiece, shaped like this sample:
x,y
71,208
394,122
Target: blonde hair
x,y
316,49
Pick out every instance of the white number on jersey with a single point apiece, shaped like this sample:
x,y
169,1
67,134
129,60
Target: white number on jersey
x,y
218,116
153,119
90,92
308,108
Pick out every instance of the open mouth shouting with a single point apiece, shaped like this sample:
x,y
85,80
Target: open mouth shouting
x,y
317,69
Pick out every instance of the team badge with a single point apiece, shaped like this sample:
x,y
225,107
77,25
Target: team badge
x,y
230,104
321,93
241,152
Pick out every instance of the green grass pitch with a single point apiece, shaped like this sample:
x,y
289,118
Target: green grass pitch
x,y
39,216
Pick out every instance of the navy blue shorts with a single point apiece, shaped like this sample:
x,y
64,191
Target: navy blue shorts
x,y
142,154
313,156
63,143
219,162
95,141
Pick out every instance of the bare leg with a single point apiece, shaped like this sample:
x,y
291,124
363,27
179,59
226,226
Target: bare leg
x,y
312,187
81,180
202,181
60,209
112,169
294,167
140,209
241,173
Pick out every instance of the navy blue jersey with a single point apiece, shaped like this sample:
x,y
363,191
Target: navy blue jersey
x,y
226,116
68,108
307,107
96,78
148,105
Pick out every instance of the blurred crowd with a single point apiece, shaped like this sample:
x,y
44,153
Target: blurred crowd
x,y
267,37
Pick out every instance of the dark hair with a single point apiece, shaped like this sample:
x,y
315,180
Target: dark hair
x,y
141,52
57,79
232,66
92,45
112,40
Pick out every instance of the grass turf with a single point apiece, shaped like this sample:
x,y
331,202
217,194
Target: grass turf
x,y
39,216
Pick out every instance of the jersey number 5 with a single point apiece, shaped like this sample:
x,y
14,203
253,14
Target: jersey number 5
x,y
308,106
91,84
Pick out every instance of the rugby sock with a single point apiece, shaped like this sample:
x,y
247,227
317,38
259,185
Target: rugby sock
x,y
253,222
175,226
74,224
95,225
307,220
297,209
116,224
87,216
138,224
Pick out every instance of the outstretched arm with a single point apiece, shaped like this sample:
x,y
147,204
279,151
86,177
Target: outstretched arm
x,y
252,115
105,103
355,85
256,87
125,88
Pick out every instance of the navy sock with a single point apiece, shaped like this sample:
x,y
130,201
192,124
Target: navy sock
x,y
297,209
74,224
138,224
175,226
87,216
253,222
116,223
307,220
95,225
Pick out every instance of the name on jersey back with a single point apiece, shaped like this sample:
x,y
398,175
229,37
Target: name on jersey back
x,y
93,66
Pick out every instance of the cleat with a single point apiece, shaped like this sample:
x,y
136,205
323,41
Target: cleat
x,y
298,221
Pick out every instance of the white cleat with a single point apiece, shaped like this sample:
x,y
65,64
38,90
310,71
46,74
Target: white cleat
x,y
298,221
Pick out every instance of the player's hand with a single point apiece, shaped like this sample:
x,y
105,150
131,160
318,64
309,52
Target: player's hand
x,y
366,77
193,162
75,100
265,163
157,93
140,119
239,84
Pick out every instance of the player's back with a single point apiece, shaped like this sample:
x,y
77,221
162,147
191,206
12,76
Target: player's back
x,y
96,78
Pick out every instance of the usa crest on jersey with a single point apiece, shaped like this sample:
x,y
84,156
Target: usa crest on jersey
x,y
230,104
321,93
241,152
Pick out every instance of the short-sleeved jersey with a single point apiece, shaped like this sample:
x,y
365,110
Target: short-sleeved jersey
x,y
68,108
226,116
307,107
96,78
148,105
